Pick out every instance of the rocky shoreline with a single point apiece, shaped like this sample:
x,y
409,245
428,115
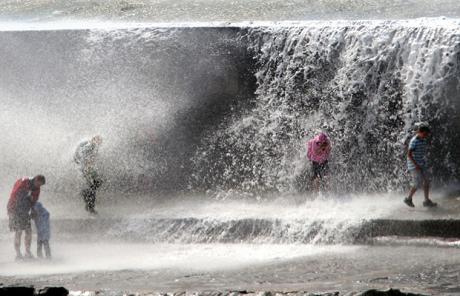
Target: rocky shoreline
x,y
61,291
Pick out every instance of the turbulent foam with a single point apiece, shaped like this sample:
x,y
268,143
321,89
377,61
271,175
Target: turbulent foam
x,y
257,231
318,221
321,221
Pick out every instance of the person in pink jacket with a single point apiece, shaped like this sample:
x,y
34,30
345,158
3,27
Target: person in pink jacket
x,y
318,152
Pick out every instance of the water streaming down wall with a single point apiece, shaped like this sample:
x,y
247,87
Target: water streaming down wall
x,y
364,83
180,108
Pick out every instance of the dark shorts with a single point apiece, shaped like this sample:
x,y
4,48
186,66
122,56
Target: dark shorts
x,y
319,169
419,178
19,222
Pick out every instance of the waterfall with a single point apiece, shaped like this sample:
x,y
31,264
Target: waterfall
x,y
229,109
365,83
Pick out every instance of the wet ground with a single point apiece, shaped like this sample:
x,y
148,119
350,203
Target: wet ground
x,y
433,271
88,262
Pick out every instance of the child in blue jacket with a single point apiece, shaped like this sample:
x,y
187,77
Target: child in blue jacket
x,y
42,222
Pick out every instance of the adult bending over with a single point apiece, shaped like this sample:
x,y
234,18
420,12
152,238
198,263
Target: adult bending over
x,y
24,195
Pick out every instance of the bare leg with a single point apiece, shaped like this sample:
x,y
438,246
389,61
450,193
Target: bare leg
x,y
316,184
412,192
28,241
17,242
47,249
426,189
39,248
325,183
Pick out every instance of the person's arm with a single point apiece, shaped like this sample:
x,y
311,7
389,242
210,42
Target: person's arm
x,y
33,213
410,152
35,195
411,158
309,150
90,160
77,155
33,199
328,150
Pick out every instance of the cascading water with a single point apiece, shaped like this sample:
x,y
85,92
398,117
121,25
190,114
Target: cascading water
x,y
150,93
365,83
204,129
191,113
185,118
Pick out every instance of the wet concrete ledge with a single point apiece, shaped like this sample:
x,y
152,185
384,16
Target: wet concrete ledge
x,y
443,228
197,230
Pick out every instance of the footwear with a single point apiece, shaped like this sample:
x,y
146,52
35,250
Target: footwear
x,y
429,203
92,211
19,258
408,201
29,256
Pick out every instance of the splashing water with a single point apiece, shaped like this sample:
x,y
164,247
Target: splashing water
x,y
224,110
365,83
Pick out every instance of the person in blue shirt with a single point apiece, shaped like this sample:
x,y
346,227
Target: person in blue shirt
x,y
417,166
42,223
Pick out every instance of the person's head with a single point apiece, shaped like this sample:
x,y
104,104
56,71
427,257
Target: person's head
x,y
323,141
423,131
38,181
97,140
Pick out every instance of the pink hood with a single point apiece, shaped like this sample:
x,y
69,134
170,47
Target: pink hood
x,y
314,151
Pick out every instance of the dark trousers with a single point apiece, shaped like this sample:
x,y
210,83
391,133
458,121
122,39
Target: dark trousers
x,y
319,169
46,245
93,183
